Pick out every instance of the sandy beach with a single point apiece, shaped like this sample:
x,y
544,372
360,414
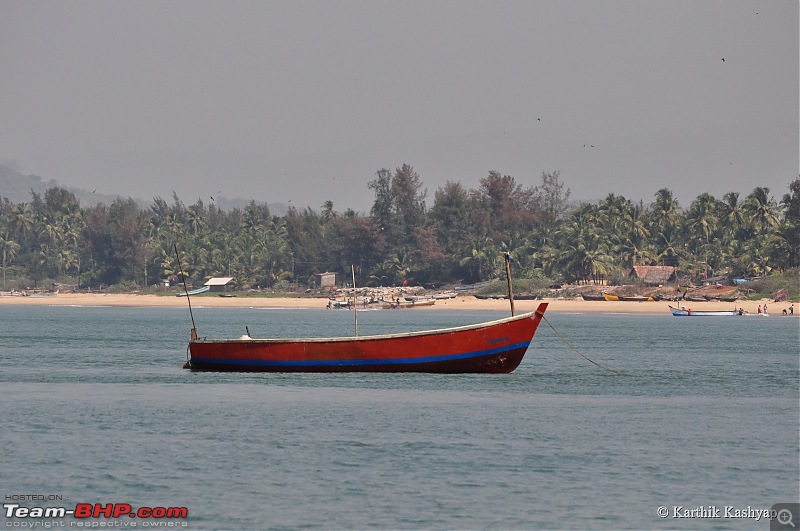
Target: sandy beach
x,y
460,303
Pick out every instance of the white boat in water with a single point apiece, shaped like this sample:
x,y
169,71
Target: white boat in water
x,y
688,312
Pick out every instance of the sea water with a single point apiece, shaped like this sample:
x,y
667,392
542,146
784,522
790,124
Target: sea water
x,y
97,410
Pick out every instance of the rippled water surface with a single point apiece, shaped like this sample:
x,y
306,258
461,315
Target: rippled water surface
x,y
97,409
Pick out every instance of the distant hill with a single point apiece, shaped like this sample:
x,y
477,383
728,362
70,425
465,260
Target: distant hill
x,y
17,188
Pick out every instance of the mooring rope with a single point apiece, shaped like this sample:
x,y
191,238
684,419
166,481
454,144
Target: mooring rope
x,y
609,369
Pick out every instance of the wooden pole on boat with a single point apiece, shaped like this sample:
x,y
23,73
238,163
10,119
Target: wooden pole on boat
x,y
508,276
355,301
186,290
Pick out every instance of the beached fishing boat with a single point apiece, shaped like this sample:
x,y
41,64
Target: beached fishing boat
x,y
197,291
13,293
688,312
445,295
42,293
334,304
414,303
491,347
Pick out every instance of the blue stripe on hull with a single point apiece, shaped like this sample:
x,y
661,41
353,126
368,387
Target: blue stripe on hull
x,y
221,362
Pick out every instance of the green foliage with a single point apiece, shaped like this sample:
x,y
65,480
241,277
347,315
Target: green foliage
x,y
461,238
769,285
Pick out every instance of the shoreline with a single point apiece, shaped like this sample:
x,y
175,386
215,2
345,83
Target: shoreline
x,y
459,303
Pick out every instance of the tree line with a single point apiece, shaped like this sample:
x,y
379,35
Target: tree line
x,y
461,237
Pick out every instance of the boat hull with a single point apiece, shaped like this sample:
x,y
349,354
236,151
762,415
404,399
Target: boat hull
x,y
495,347
635,298
197,291
388,305
680,312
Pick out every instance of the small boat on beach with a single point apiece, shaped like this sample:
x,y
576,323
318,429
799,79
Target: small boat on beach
x,y
413,303
13,293
490,347
444,295
688,312
197,291
42,293
334,304
695,298
635,298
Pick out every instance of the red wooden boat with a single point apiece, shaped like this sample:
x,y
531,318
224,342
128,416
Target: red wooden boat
x,y
492,347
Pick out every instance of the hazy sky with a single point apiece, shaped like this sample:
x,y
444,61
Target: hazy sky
x,y
306,100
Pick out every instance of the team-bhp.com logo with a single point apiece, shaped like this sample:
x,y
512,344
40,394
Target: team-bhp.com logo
x,y
95,510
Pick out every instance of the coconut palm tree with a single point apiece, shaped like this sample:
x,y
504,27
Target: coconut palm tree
x,y
781,247
762,210
478,258
197,218
733,216
583,249
21,221
663,221
702,223
8,249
